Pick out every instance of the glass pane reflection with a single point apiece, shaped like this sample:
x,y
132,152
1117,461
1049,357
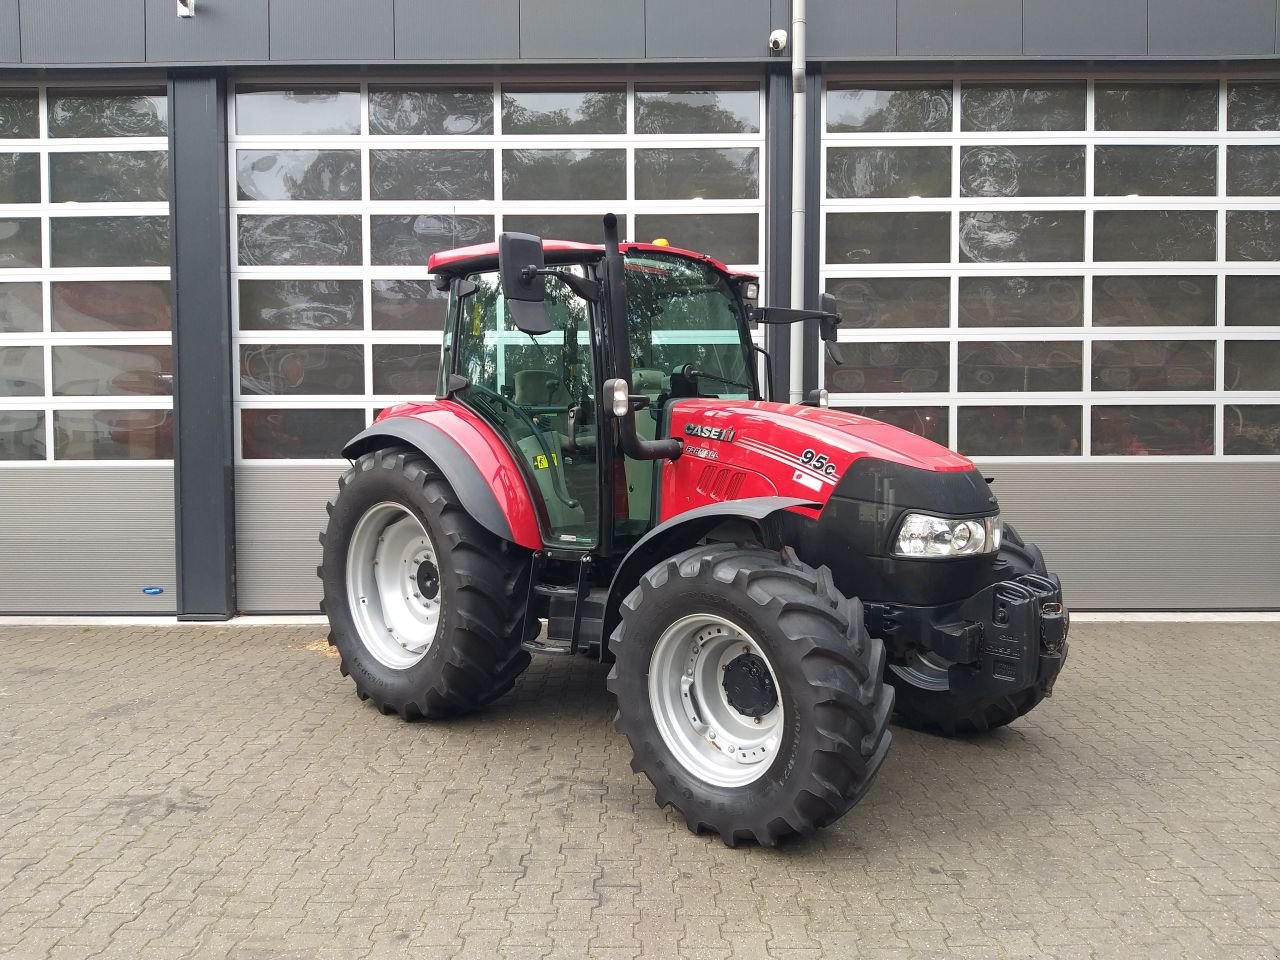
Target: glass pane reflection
x,y
113,434
279,434
1136,431
1051,431
22,435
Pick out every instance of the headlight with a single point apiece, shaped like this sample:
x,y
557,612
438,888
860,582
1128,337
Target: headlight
x,y
924,536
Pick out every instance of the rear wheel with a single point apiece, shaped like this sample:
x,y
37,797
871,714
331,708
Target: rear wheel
x,y
426,607
750,692
924,697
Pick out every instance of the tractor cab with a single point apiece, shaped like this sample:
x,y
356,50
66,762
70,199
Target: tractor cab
x,y
684,334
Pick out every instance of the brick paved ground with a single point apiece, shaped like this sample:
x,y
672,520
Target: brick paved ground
x,y
220,792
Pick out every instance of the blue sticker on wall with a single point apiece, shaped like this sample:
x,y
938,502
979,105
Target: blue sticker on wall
x,y
153,591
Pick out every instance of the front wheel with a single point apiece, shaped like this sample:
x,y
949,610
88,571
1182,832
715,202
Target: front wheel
x,y
750,691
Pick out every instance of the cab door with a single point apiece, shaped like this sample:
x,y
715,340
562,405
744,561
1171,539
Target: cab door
x,y
539,393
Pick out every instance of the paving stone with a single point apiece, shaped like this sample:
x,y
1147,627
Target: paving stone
x,y
219,792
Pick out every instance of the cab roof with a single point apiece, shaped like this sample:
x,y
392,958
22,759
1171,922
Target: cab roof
x,y
485,255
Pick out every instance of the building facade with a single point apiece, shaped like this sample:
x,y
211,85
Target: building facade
x,y
1054,230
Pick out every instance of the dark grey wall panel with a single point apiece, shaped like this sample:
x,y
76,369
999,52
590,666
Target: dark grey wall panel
x,y
959,28
223,30
333,30
201,347
1151,536
83,31
853,28
10,47
1097,28
581,30
1220,28
707,28
445,30
86,539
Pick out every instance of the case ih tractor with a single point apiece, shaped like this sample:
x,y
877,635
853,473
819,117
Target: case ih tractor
x,y
764,577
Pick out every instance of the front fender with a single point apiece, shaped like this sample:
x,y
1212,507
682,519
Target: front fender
x,y
684,531
472,459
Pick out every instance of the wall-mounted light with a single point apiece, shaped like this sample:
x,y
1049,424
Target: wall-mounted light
x,y
186,8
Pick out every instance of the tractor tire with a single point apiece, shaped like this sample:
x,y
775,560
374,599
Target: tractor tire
x,y
750,692
942,712
440,633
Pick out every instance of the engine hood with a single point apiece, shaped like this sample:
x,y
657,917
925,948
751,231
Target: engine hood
x,y
748,448
843,436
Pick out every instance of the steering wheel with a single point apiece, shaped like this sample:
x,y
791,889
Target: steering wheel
x,y
494,395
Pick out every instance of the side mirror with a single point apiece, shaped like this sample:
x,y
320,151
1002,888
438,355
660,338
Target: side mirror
x,y
520,262
830,318
827,328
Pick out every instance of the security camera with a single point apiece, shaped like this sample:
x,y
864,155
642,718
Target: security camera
x,y
778,40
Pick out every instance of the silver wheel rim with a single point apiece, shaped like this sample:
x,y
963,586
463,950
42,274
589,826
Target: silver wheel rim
x,y
706,734
395,610
927,670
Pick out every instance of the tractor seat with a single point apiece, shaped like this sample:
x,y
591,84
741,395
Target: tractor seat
x,y
539,388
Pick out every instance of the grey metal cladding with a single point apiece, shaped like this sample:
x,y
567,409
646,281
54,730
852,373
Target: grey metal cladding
x,y
10,42
83,31
959,28
86,539
222,30
327,30
581,30
1151,536
1097,28
1220,28
852,28
280,511
446,30
707,28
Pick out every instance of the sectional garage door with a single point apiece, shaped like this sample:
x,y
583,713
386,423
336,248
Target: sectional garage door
x,y
1076,281
340,194
86,418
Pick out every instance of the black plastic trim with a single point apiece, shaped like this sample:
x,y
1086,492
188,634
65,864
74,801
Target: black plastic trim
x,y
683,531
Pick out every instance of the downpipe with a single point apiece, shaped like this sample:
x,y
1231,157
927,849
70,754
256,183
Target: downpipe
x,y
799,115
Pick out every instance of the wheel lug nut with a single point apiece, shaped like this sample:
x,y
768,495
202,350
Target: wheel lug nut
x,y
731,748
713,736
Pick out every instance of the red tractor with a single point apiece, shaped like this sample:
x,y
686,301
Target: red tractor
x,y
763,576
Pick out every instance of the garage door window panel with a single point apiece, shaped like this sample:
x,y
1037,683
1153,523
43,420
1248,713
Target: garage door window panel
x,y
1000,170
1155,171
692,110
22,435
19,115
1020,431
889,108
19,243
292,433
21,307
319,305
871,172
1155,106
94,114
1253,301
297,111
1145,431
1022,106
1253,365
1154,301
1253,107
282,240
109,241
113,434
430,112
408,305
431,175
1020,367
302,369
19,178
1165,365
1029,301
117,176
1252,430
1000,236
564,112
889,302
110,306
907,367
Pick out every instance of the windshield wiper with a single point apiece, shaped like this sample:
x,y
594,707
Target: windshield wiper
x,y
693,373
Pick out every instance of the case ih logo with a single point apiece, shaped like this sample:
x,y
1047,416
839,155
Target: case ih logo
x,y
723,434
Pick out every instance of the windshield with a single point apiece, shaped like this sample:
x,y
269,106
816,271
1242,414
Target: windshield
x,y
680,311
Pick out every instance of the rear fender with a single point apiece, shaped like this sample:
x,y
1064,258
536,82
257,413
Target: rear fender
x,y
473,460
686,530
